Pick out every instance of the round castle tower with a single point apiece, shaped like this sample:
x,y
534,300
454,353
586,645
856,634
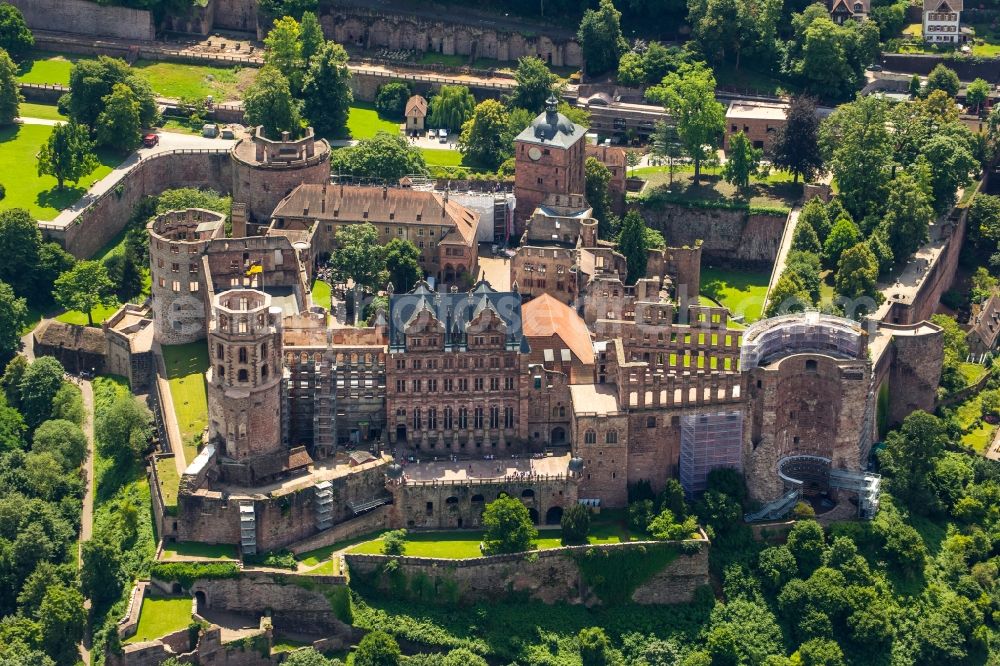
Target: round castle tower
x,y
265,171
244,379
177,240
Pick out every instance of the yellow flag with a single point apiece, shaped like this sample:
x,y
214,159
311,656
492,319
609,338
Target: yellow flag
x,y
255,269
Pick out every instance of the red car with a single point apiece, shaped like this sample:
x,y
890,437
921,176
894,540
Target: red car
x,y
150,140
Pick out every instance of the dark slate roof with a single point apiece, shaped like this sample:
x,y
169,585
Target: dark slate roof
x,y
552,127
455,310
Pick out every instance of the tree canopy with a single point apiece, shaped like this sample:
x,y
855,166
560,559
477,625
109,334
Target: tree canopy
x,y
360,257
385,156
68,153
15,35
269,103
601,39
508,527
326,91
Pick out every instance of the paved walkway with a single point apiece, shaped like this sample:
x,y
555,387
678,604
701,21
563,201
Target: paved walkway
x,y
169,141
24,120
169,415
783,250
87,516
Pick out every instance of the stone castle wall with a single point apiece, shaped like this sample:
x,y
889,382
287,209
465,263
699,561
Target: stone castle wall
x,y
87,18
106,217
727,235
551,576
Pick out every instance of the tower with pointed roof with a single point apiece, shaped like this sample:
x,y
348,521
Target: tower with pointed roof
x,y
549,158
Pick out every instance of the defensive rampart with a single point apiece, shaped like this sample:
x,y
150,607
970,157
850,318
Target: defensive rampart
x,y
87,18
641,572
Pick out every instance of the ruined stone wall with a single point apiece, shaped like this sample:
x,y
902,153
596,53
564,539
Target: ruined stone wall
x,y
444,505
100,222
238,15
208,517
87,18
372,521
551,576
372,29
297,603
727,235
914,374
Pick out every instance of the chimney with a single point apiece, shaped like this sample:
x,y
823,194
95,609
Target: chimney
x,y
385,192
285,136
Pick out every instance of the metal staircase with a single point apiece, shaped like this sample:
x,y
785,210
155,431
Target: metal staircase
x,y
776,508
248,528
324,505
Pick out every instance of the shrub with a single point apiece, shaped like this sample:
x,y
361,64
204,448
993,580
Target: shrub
x,y
391,99
186,573
394,542
575,524
280,559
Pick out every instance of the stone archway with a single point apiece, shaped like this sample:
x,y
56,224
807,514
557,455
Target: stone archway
x,y
554,515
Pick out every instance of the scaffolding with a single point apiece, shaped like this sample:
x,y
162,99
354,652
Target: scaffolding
x,y
801,333
248,528
709,441
810,473
324,505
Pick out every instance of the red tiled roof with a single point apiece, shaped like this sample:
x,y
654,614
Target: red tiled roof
x,y
544,316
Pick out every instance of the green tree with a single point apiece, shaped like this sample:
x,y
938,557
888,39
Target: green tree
x,y
385,156
84,287
463,657
777,566
796,144
858,149
806,542
311,37
600,37
857,272
981,284
123,429
119,124
976,93
788,295
689,96
394,542
15,36
63,618
575,524
12,427
402,260
269,103
68,153
68,404
307,657
100,574
125,272
482,134
742,162
805,238
742,632
451,107
666,144
91,81
632,244
283,46
814,214
508,527
844,234
598,178
951,164
327,91
535,83
360,257
915,87
391,99
20,243
13,319
377,648
10,91
37,388
825,66
64,439
668,527
908,215
943,78
910,455
595,647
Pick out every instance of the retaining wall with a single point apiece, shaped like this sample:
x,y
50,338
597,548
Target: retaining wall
x,y
727,235
106,216
87,18
966,68
374,520
551,576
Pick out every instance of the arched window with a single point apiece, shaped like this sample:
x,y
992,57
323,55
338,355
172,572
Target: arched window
x,y
242,376
243,354
611,437
590,437
222,371
263,371
562,411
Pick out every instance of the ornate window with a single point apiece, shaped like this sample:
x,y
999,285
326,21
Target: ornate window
x,y
611,437
590,437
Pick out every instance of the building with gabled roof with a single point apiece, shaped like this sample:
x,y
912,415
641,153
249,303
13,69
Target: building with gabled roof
x,y
942,21
842,11
416,114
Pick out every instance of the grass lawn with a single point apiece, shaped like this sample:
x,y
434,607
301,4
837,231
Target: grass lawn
x,y
169,479
39,195
741,291
99,314
979,438
160,617
321,293
43,111
972,372
48,67
179,127
363,122
448,158
203,550
312,558
186,366
282,644
34,316
776,191
914,30
183,81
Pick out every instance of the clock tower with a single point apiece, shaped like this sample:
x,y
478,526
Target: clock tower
x,y
549,156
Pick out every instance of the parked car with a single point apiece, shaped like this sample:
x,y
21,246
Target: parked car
x,y
431,133
150,140
443,134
